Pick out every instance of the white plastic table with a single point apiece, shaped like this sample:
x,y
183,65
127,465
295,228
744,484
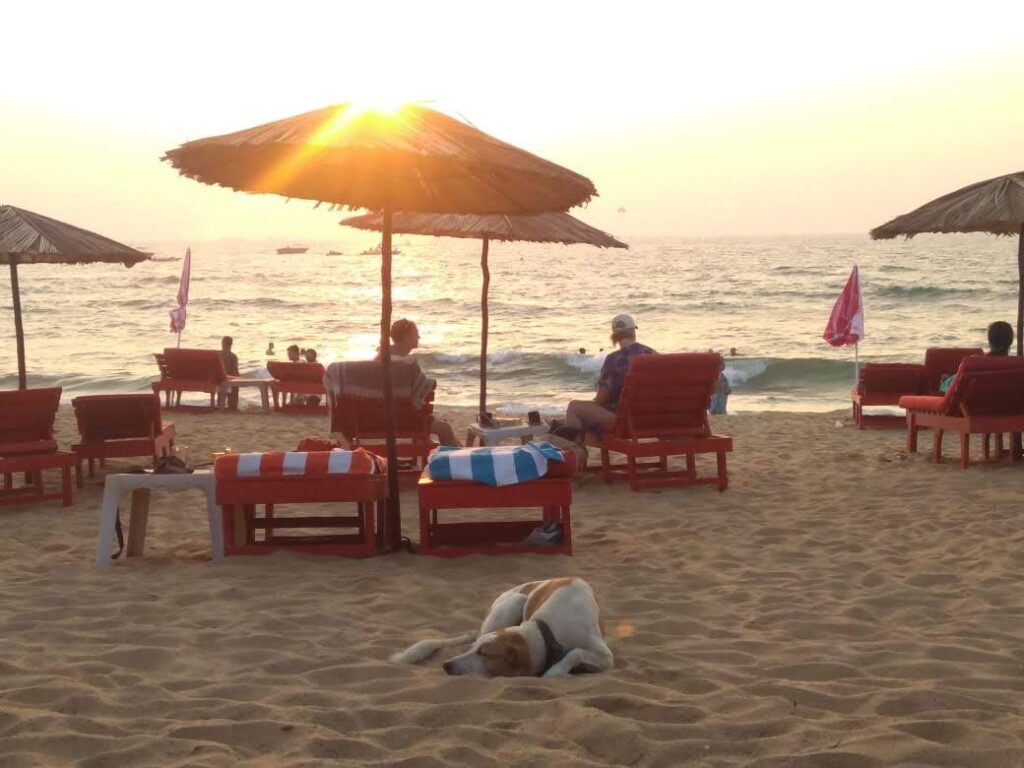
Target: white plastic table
x,y
141,485
236,384
494,435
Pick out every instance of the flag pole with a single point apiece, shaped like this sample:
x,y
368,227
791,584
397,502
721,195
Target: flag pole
x,y
856,363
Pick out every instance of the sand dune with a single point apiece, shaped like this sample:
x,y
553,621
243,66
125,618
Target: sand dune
x,y
842,605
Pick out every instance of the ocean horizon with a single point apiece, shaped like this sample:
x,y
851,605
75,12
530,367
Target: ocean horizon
x,y
94,329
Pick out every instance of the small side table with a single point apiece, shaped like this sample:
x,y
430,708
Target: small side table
x,y
494,435
141,486
236,384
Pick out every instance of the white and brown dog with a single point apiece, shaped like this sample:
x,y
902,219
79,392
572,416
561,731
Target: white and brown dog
x,y
546,628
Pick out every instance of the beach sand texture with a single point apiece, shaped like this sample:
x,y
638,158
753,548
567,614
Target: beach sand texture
x,y
842,605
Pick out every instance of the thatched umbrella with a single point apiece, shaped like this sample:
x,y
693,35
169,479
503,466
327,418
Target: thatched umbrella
x,y
415,159
28,238
995,206
541,228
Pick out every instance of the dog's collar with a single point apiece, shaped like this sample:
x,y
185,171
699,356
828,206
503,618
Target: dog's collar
x,y
553,650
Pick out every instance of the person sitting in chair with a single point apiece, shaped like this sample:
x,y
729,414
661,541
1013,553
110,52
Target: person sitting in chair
x,y
594,415
1000,339
405,337
230,368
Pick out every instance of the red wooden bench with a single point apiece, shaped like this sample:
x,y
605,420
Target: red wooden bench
x,y
246,532
663,412
297,379
551,494
113,426
27,444
987,396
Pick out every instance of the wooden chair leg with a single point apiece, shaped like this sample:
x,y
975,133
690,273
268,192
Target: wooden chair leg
x,y
985,454
938,445
606,466
911,433
631,471
65,472
965,449
138,519
723,472
691,465
92,467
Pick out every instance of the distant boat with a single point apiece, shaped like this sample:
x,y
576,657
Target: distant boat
x,y
379,250
165,258
293,249
334,253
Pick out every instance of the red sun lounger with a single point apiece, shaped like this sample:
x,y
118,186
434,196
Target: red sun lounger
x,y
987,396
663,412
27,445
113,426
294,382
190,370
885,384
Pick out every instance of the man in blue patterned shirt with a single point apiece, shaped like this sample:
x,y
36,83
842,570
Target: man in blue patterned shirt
x,y
598,413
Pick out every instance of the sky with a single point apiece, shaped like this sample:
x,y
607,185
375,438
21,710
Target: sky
x,y
697,119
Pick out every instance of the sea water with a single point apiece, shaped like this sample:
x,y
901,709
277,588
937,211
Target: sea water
x,y
94,328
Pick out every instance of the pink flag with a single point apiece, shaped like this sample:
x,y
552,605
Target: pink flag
x,y
178,314
846,323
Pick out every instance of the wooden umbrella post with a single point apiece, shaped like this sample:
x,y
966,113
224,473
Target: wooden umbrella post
x,y
392,526
19,330
1020,291
484,324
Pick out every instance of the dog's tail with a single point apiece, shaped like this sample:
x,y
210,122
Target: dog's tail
x,y
424,649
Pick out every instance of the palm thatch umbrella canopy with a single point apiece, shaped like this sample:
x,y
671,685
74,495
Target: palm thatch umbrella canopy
x,y
413,159
29,238
540,228
995,206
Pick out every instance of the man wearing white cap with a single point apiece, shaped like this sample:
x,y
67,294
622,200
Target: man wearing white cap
x,y
600,412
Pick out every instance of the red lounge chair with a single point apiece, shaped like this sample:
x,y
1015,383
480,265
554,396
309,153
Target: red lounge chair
x,y
291,379
113,426
247,533
885,384
190,370
986,397
943,361
361,421
663,411
27,445
552,494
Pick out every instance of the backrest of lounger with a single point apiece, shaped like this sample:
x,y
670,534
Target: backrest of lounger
x,y
195,364
943,361
990,386
304,373
117,417
27,415
355,416
666,395
901,378
161,363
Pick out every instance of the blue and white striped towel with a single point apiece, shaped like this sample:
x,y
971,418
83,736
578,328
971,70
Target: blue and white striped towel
x,y
500,465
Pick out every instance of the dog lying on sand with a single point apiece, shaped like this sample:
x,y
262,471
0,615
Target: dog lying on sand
x,y
541,628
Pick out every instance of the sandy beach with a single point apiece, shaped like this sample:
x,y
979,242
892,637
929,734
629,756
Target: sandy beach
x,y
841,605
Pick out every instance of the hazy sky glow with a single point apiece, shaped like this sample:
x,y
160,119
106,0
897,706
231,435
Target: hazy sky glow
x,y
742,118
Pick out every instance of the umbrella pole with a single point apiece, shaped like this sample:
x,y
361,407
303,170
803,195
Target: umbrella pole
x,y
1020,291
484,323
19,330
391,532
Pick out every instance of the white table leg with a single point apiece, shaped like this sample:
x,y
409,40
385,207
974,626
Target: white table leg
x,y
215,515
265,396
105,543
